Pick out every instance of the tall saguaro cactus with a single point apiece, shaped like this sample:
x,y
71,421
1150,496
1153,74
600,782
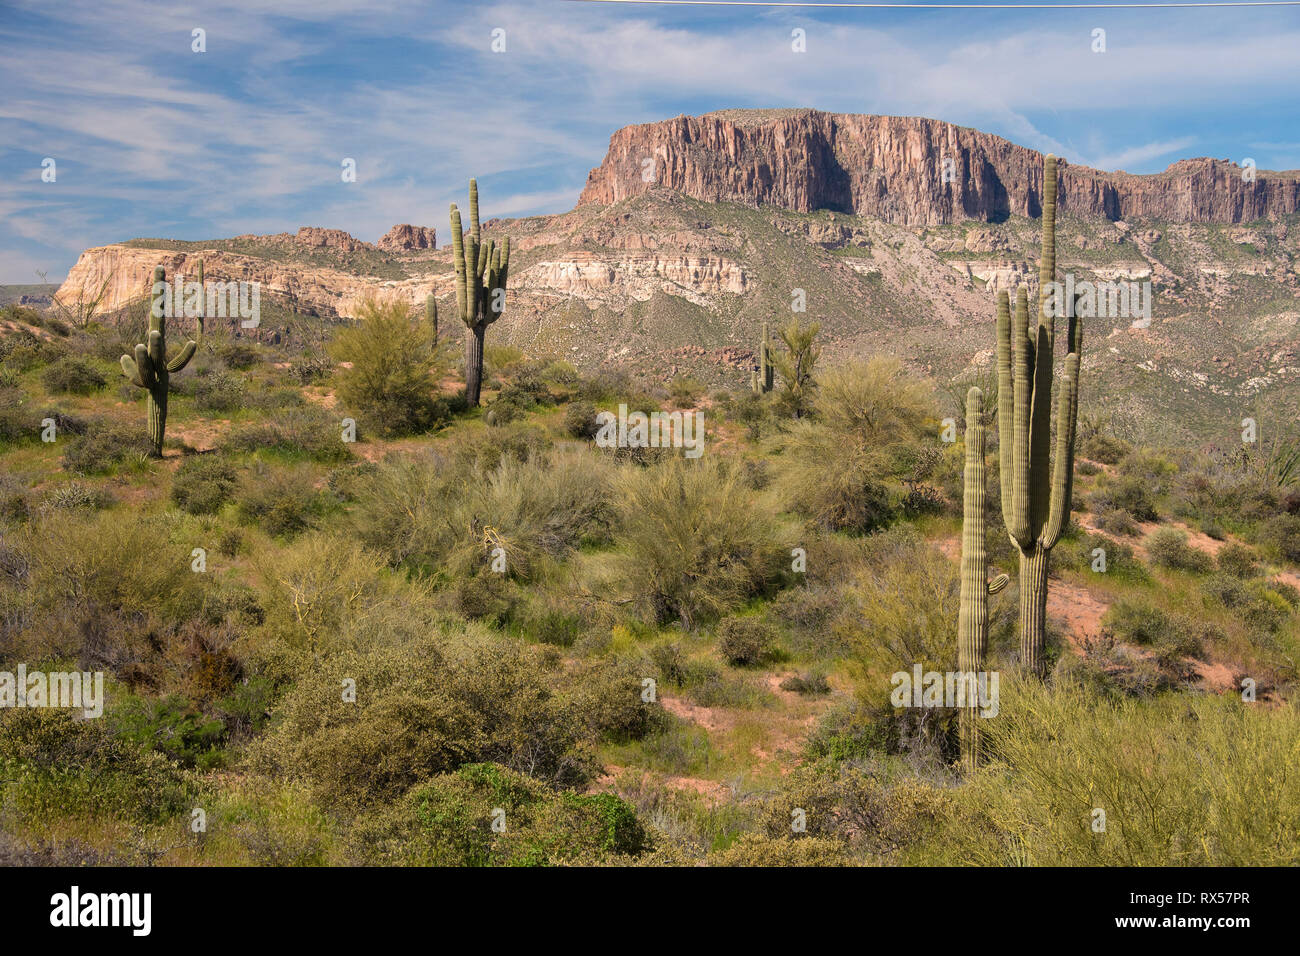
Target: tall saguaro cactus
x,y
150,369
481,274
1036,484
973,619
764,377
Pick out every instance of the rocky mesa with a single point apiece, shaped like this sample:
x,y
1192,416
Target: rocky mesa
x,y
910,171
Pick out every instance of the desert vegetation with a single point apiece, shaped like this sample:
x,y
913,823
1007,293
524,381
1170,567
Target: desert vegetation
x,y
359,605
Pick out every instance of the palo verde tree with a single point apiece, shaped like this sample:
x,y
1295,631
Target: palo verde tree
x,y
150,369
1036,484
796,366
481,274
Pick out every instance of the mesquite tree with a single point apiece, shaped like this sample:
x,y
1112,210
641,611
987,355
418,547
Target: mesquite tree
x,y
481,274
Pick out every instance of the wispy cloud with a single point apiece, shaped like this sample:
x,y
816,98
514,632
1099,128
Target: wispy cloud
x,y
153,139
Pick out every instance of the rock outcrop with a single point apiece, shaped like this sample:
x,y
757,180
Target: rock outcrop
x,y
405,238
909,171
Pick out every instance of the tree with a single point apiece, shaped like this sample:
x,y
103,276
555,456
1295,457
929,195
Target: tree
x,y
388,381
796,367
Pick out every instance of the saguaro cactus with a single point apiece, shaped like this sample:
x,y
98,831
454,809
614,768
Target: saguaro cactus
x,y
203,300
481,274
1035,488
973,619
431,316
150,369
763,378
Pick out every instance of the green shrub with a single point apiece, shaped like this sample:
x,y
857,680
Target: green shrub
x,y
1129,494
580,420
220,392
1061,752
239,356
423,707
449,821
72,375
695,545
744,641
203,483
388,381
1168,548
282,502
174,727
1280,536
1238,561
55,766
308,432
105,446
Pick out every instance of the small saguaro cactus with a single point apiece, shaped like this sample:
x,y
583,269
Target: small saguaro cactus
x,y
150,369
764,376
431,316
1036,484
203,300
973,618
481,274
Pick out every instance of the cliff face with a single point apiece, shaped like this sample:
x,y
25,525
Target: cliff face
x,y
893,168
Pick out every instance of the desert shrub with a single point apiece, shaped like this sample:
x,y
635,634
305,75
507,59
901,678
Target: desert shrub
x,y
105,446
72,375
76,494
203,483
743,641
240,356
448,517
308,370
174,727
685,391
448,821
388,382
834,471
281,501
580,420
1104,448
1061,751
1078,551
1129,494
219,392
1168,548
753,849
1238,561
1117,522
807,684
1261,605
694,544
1140,622
607,697
1279,536
307,432
423,707
56,766
863,806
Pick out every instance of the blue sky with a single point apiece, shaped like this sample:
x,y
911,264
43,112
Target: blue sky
x,y
151,139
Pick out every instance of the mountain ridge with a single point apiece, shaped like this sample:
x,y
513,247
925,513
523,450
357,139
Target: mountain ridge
x,y
892,168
